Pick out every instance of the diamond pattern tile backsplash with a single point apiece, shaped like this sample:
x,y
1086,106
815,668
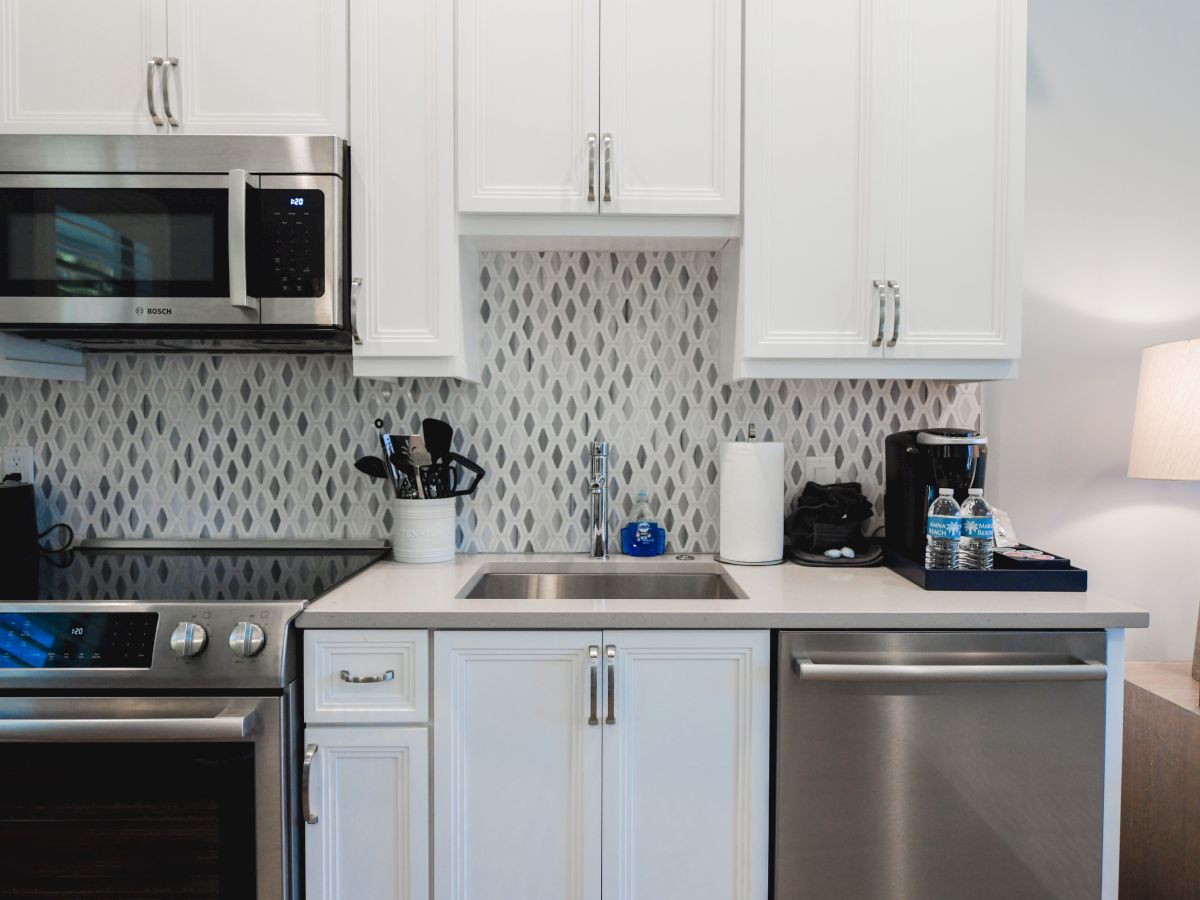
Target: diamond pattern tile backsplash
x,y
621,346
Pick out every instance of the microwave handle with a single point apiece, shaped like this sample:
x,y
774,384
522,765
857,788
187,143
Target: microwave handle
x,y
238,296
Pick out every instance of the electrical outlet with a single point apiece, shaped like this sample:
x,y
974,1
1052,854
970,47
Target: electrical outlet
x,y
822,469
19,460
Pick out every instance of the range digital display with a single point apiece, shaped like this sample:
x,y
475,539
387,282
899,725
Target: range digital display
x,y
77,640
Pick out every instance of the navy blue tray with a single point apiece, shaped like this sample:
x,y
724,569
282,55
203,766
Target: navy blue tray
x,y
1068,579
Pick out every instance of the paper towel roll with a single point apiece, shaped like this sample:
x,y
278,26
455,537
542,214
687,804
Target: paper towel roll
x,y
751,503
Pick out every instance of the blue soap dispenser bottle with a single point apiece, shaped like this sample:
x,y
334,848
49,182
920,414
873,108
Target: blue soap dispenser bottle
x,y
643,536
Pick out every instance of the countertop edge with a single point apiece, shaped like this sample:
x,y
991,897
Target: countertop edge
x,y
1019,621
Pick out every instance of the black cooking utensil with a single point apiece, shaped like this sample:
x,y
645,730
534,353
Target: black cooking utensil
x,y
385,442
373,466
439,435
457,463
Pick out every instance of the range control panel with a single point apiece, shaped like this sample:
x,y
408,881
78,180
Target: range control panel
x,y
77,640
293,223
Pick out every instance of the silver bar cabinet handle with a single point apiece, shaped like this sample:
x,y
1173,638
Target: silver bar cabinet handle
x,y
591,195
594,656
608,153
171,63
895,286
305,777
238,293
366,679
152,64
611,652
868,672
881,287
355,284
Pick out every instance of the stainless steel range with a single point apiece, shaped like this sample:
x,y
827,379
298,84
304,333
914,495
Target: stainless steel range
x,y
148,718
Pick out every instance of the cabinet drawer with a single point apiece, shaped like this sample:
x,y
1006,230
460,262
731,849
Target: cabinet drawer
x,y
371,675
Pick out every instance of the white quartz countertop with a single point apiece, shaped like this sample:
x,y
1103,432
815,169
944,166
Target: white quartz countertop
x,y
395,595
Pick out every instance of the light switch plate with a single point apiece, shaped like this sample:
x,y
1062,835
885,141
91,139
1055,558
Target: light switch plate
x,y
822,469
19,460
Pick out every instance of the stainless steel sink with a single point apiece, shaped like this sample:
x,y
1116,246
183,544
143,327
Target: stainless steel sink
x,y
565,584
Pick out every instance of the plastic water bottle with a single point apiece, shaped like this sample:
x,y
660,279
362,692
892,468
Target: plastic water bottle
x,y
975,545
943,527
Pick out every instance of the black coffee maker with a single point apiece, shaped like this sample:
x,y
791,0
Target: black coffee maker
x,y
917,464
19,550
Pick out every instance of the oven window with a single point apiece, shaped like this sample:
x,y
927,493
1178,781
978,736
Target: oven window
x,y
114,242
121,821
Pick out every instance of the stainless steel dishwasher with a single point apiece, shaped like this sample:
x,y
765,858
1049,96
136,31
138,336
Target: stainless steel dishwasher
x,y
939,765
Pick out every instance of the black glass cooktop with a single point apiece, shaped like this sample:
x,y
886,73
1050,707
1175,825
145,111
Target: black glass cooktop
x,y
200,576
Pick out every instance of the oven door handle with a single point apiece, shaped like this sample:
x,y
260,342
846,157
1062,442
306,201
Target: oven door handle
x,y
234,723
239,296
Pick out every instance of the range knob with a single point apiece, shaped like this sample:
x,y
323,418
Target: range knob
x,y
188,639
247,639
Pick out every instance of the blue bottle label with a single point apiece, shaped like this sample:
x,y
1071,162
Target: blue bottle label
x,y
977,527
948,527
643,533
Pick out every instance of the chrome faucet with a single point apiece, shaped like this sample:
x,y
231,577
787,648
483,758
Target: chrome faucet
x,y
598,492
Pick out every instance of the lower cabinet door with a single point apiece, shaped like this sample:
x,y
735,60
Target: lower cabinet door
x,y
686,765
366,811
517,739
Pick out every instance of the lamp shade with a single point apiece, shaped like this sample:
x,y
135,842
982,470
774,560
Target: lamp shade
x,y
1166,423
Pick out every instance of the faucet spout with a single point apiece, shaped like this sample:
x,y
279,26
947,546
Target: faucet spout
x,y
598,494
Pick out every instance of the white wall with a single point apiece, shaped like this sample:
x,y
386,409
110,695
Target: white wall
x,y
1112,264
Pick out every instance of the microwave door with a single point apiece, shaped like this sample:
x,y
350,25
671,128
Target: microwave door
x,y
154,251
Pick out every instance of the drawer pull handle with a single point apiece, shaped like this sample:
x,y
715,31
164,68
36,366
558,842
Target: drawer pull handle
x,y
366,679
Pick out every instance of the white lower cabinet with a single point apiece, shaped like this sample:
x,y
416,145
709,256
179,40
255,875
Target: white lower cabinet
x,y
367,813
585,765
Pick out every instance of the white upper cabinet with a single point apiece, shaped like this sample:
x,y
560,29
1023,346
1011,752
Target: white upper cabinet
x,y
670,106
813,239
79,66
415,301
529,100
957,189
884,181
599,106
193,66
260,67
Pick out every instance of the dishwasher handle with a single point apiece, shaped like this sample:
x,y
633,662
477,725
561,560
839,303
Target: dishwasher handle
x,y
1085,670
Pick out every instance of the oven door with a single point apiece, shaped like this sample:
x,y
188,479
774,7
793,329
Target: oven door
x,y
180,797
126,250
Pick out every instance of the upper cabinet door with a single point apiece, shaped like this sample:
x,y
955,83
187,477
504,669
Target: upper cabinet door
x,y
402,181
670,106
686,765
266,67
78,66
813,237
956,143
517,800
528,105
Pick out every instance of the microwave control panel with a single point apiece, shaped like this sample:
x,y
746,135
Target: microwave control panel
x,y
293,226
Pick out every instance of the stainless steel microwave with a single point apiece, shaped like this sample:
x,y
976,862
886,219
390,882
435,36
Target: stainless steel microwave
x,y
179,242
